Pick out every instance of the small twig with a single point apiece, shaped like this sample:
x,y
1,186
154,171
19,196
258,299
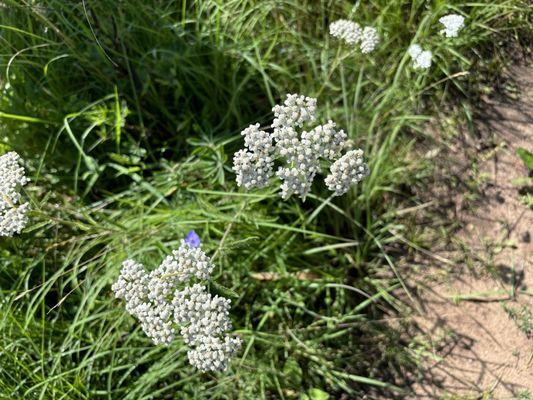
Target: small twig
x,y
456,75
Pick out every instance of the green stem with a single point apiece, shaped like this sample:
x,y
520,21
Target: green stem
x,y
23,118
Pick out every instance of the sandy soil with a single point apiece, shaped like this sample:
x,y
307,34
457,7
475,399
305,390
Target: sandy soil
x,y
477,348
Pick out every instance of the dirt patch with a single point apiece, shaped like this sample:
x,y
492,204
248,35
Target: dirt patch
x,y
477,294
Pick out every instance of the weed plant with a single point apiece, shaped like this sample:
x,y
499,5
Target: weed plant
x,y
128,114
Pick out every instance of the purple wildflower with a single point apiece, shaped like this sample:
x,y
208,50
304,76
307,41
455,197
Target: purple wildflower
x,y
193,239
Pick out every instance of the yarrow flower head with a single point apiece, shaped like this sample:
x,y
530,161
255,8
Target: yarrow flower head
x,y
13,216
213,353
256,140
421,58
254,165
295,181
161,307
453,23
346,171
200,314
325,141
295,111
369,39
187,262
253,170
348,31
300,150
352,33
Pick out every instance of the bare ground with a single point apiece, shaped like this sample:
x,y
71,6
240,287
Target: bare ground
x,y
474,347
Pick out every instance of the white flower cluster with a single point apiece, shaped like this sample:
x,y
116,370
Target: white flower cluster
x,y
187,262
369,39
295,181
453,23
13,216
295,111
301,152
352,33
212,353
159,305
346,171
254,166
200,314
348,31
421,58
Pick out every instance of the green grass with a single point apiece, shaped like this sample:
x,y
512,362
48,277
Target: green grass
x,y
128,114
521,315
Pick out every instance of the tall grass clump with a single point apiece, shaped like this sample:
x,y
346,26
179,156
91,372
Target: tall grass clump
x,y
128,114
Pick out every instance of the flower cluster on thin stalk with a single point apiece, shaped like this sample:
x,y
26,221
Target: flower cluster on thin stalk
x,y
421,58
301,152
453,23
353,34
166,300
13,216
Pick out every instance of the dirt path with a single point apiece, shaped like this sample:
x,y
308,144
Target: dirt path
x,y
476,304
